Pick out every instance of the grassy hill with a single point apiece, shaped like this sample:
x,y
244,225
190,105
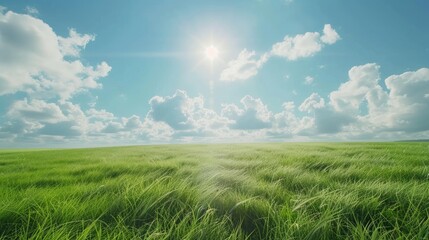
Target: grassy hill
x,y
238,191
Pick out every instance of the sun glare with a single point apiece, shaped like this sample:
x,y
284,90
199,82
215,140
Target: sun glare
x,y
211,53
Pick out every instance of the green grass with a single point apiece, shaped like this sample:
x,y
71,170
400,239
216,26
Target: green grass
x,y
238,191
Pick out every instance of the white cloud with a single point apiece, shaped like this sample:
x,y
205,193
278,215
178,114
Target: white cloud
x,y
33,59
408,106
157,131
362,80
64,129
38,120
287,117
113,127
37,117
299,46
127,125
330,36
182,112
399,111
401,107
287,124
99,114
47,69
304,45
244,67
308,80
72,45
254,115
313,102
132,122
329,121
175,110
36,110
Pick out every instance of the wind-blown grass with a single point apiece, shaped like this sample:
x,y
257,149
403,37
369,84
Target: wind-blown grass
x,y
239,191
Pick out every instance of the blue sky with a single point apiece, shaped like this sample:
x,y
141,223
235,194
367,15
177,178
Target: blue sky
x,y
84,73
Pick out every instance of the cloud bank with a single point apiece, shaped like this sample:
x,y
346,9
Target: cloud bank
x,y
398,111
47,71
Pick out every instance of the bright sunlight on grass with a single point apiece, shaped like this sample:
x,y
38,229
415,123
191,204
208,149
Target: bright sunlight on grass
x,y
240,191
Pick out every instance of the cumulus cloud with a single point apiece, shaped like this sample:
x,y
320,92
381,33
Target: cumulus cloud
x,y
402,106
113,127
398,110
304,45
175,110
361,106
363,80
46,69
36,120
36,110
329,121
63,129
36,61
330,36
37,117
124,125
408,104
101,114
253,115
313,102
245,66
182,112
157,131
299,46
287,124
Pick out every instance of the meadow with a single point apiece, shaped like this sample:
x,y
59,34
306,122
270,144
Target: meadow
x,y
219,191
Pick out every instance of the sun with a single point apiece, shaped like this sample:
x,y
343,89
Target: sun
x,y
212,53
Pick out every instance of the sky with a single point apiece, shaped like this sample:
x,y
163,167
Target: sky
x,y
102,73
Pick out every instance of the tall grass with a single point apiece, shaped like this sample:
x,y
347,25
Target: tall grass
x,y
241,191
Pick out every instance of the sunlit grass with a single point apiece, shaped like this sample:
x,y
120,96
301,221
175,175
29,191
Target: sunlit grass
x,y
243,191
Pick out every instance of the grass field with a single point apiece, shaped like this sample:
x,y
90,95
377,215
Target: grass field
x,y
238,191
